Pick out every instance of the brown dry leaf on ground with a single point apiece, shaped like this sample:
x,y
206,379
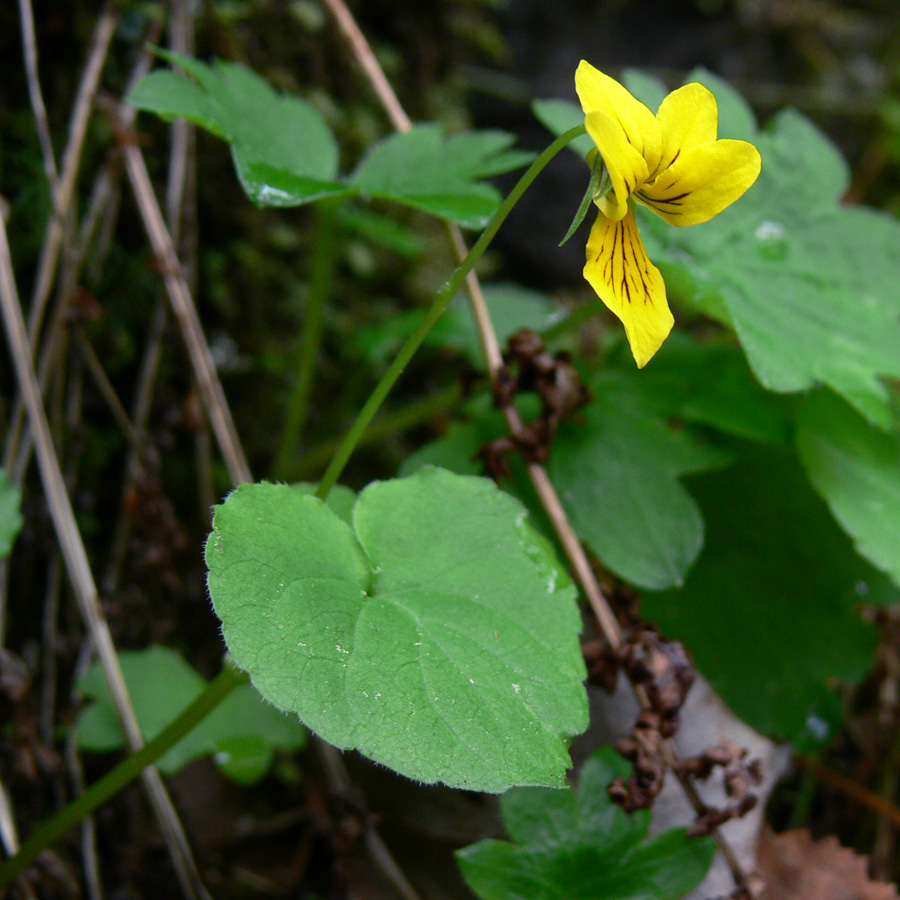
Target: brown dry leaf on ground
x,y
795,867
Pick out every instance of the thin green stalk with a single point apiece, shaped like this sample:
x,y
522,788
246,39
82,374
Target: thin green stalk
x,y
124,773
386,423
320,281
444,296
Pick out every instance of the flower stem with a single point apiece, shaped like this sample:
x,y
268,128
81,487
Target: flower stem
x,y
124,773
444,296
320,281
383,425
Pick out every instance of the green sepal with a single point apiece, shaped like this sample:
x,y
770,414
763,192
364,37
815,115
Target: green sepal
x,y
594,189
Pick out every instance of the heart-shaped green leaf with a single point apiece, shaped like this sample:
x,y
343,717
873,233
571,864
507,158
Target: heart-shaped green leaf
x,y
618,472
437,635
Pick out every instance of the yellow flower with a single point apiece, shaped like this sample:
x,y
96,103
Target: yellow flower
x,y
670,163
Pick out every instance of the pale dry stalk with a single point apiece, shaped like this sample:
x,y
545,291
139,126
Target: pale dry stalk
x,y
78,567
81,111
185,313
29,47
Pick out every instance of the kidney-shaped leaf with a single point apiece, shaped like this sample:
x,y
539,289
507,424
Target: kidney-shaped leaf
x,y
436,635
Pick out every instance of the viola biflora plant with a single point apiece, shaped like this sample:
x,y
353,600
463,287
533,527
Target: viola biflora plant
x,y
428,622
743,479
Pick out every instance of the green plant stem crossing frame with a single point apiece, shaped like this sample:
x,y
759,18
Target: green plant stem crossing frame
x,y
445,295
123,774
131,767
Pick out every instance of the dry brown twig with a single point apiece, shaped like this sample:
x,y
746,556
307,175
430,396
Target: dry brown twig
x,y
78,566
29,46
185,311
17,451
224,428
65,188
22,341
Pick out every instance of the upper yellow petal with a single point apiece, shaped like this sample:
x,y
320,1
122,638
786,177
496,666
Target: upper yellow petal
x,y
702,181
626,167
618,269
600,93
687,118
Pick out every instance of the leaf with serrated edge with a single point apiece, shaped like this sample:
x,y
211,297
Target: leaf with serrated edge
x,y
439,175
856,468
809,286
436,636
283,149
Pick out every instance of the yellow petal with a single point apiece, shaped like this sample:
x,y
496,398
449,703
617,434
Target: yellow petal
x,y
629,284
600,93
687,118
702,182
626,167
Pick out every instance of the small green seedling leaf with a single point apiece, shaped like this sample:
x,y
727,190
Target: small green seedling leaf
x,y
283,149
437,635
423,169
856,468
768,609
10,513
578,845
240,734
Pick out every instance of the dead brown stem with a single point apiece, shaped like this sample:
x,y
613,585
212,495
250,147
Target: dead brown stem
x,y
78,567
